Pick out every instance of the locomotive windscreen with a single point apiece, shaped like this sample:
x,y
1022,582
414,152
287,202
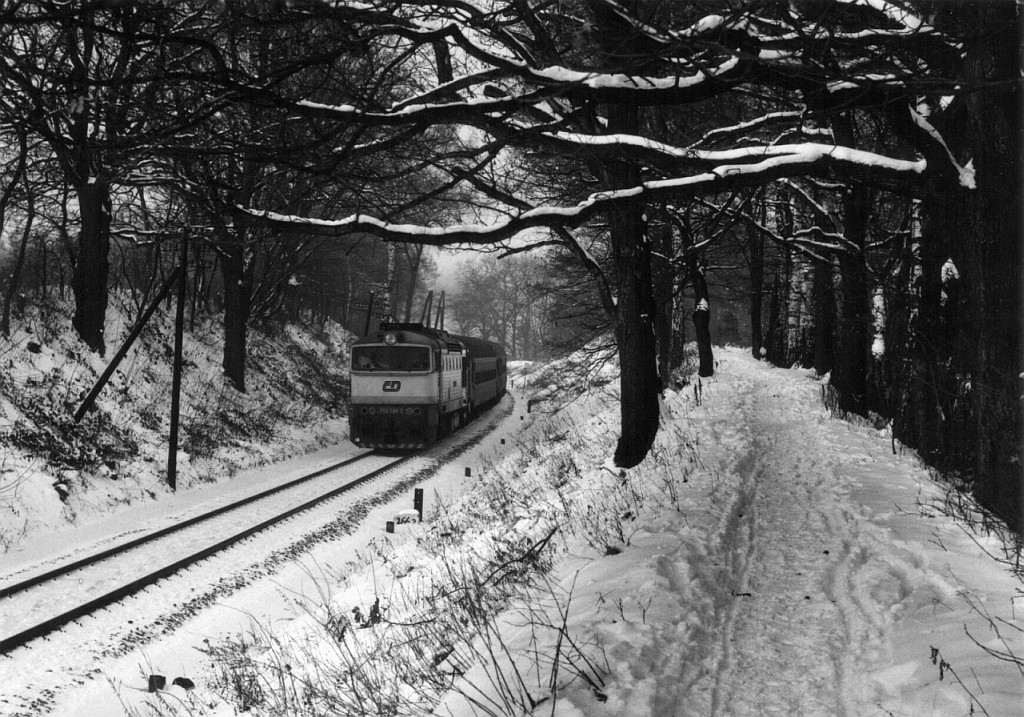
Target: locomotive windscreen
x,y
390,358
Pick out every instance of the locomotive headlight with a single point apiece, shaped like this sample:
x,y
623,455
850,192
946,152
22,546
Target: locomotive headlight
x,y
390,339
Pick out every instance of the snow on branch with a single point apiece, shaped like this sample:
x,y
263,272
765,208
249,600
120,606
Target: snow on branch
x,y
871,79
446,90
896,12
965,172
632,83
591,80
895,23
499,52
725,132
757,154
775,163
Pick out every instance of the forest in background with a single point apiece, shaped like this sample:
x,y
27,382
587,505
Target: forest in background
x,y
847,171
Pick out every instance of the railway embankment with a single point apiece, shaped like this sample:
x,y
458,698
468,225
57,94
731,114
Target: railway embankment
x,y
56,473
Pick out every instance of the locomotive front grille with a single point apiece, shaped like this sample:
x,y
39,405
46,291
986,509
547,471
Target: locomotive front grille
x,y
392,426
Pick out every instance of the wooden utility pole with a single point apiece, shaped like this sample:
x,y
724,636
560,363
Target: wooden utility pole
x,y
179,329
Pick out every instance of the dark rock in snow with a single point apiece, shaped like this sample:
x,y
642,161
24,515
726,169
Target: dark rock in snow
x,y
34,347
184,683
157,682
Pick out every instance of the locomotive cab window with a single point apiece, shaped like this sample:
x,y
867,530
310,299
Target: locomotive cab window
x,y
390,358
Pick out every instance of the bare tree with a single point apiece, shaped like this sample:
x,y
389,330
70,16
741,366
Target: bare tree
x,y
572,80
641,109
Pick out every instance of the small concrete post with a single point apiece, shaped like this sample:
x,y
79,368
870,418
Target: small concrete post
x,y
389,527
417,501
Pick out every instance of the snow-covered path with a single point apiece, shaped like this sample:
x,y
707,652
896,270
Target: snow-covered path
x,y
781,634
803,574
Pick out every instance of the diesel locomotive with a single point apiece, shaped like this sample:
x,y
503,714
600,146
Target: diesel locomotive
x,y
412,384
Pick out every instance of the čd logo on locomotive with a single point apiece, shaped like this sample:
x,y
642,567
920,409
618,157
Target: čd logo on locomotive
x,y
392,385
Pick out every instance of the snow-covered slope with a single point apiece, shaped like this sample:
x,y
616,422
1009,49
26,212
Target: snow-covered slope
x,y
766,559
55,473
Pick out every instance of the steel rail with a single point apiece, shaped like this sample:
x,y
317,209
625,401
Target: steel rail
x,y
9,643
124,547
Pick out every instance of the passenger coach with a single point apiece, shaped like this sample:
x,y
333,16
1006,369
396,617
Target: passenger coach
x,y
412,384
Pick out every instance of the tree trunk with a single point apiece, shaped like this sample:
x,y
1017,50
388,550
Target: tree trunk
x,y
640,384
850,375
755,245
824,318
415,255
927,349
238,280
390,281
92,267
19,263
16,177
777,348
634,333
664,280
702,323
679,328
634,313
198,284
984,242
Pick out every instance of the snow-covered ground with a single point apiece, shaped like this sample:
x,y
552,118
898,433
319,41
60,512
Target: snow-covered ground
x,y
803,574
56,473
766,559
100,665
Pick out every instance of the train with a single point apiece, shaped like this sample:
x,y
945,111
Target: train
x,y
412,384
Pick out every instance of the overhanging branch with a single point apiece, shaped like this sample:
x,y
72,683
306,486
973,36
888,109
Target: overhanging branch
x,y
801,160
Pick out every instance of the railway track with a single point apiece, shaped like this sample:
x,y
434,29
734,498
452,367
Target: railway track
x,y
24,588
